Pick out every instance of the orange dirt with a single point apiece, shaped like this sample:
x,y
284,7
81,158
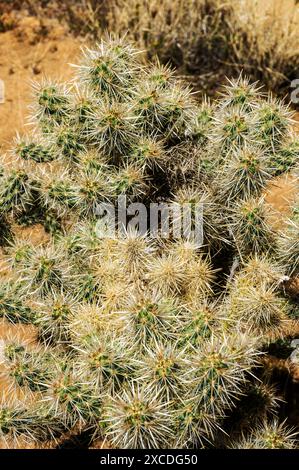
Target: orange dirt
x,y
280,194
33,49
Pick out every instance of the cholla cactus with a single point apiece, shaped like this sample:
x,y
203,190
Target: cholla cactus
x,y
16,191
18,422
286,157
138,419
273,435
44,272
219,369
273,120
241,93
142,339
245,174
30,148
51,104
259,308
250,227
52,317
71,399
260,270
28,368
12,307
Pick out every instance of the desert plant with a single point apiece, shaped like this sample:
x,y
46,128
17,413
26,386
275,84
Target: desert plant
x,y
141,339
259,308
12,307
161,369
137,419
219,369
286,158
29,149
106,360
249,226
28,368
245,174
272,435
20,422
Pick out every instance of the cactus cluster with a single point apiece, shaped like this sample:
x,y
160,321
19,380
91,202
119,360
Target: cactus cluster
x,y
143,341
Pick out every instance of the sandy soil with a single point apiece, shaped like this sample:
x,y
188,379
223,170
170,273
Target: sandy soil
x,y
32,50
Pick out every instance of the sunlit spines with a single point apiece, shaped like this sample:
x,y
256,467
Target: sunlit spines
x,y
269,435
148,105
133,251
149,153
195,426
107,272
46,271
73,400
89,320
110,68
200,278
200,320
272,119
83,103
220,366
288,247
231,129
137,419
260,309
260,270
118,311
201,123
19,252
52,318
20,423
130,180
30,369
160,75
167,273
160,111
201,203
106,359
113,127
69,141
51,102
29,147
151,317
56,190
286,156
250,227
162,368
240,93
179,109
12,307
244,174
91,190
16,190
92,161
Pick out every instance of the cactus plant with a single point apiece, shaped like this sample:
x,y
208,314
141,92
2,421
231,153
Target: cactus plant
x,y
145,339
273,435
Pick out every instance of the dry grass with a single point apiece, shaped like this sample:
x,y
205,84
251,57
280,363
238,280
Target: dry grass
x,y
260,36
266,38
203,37
185,32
